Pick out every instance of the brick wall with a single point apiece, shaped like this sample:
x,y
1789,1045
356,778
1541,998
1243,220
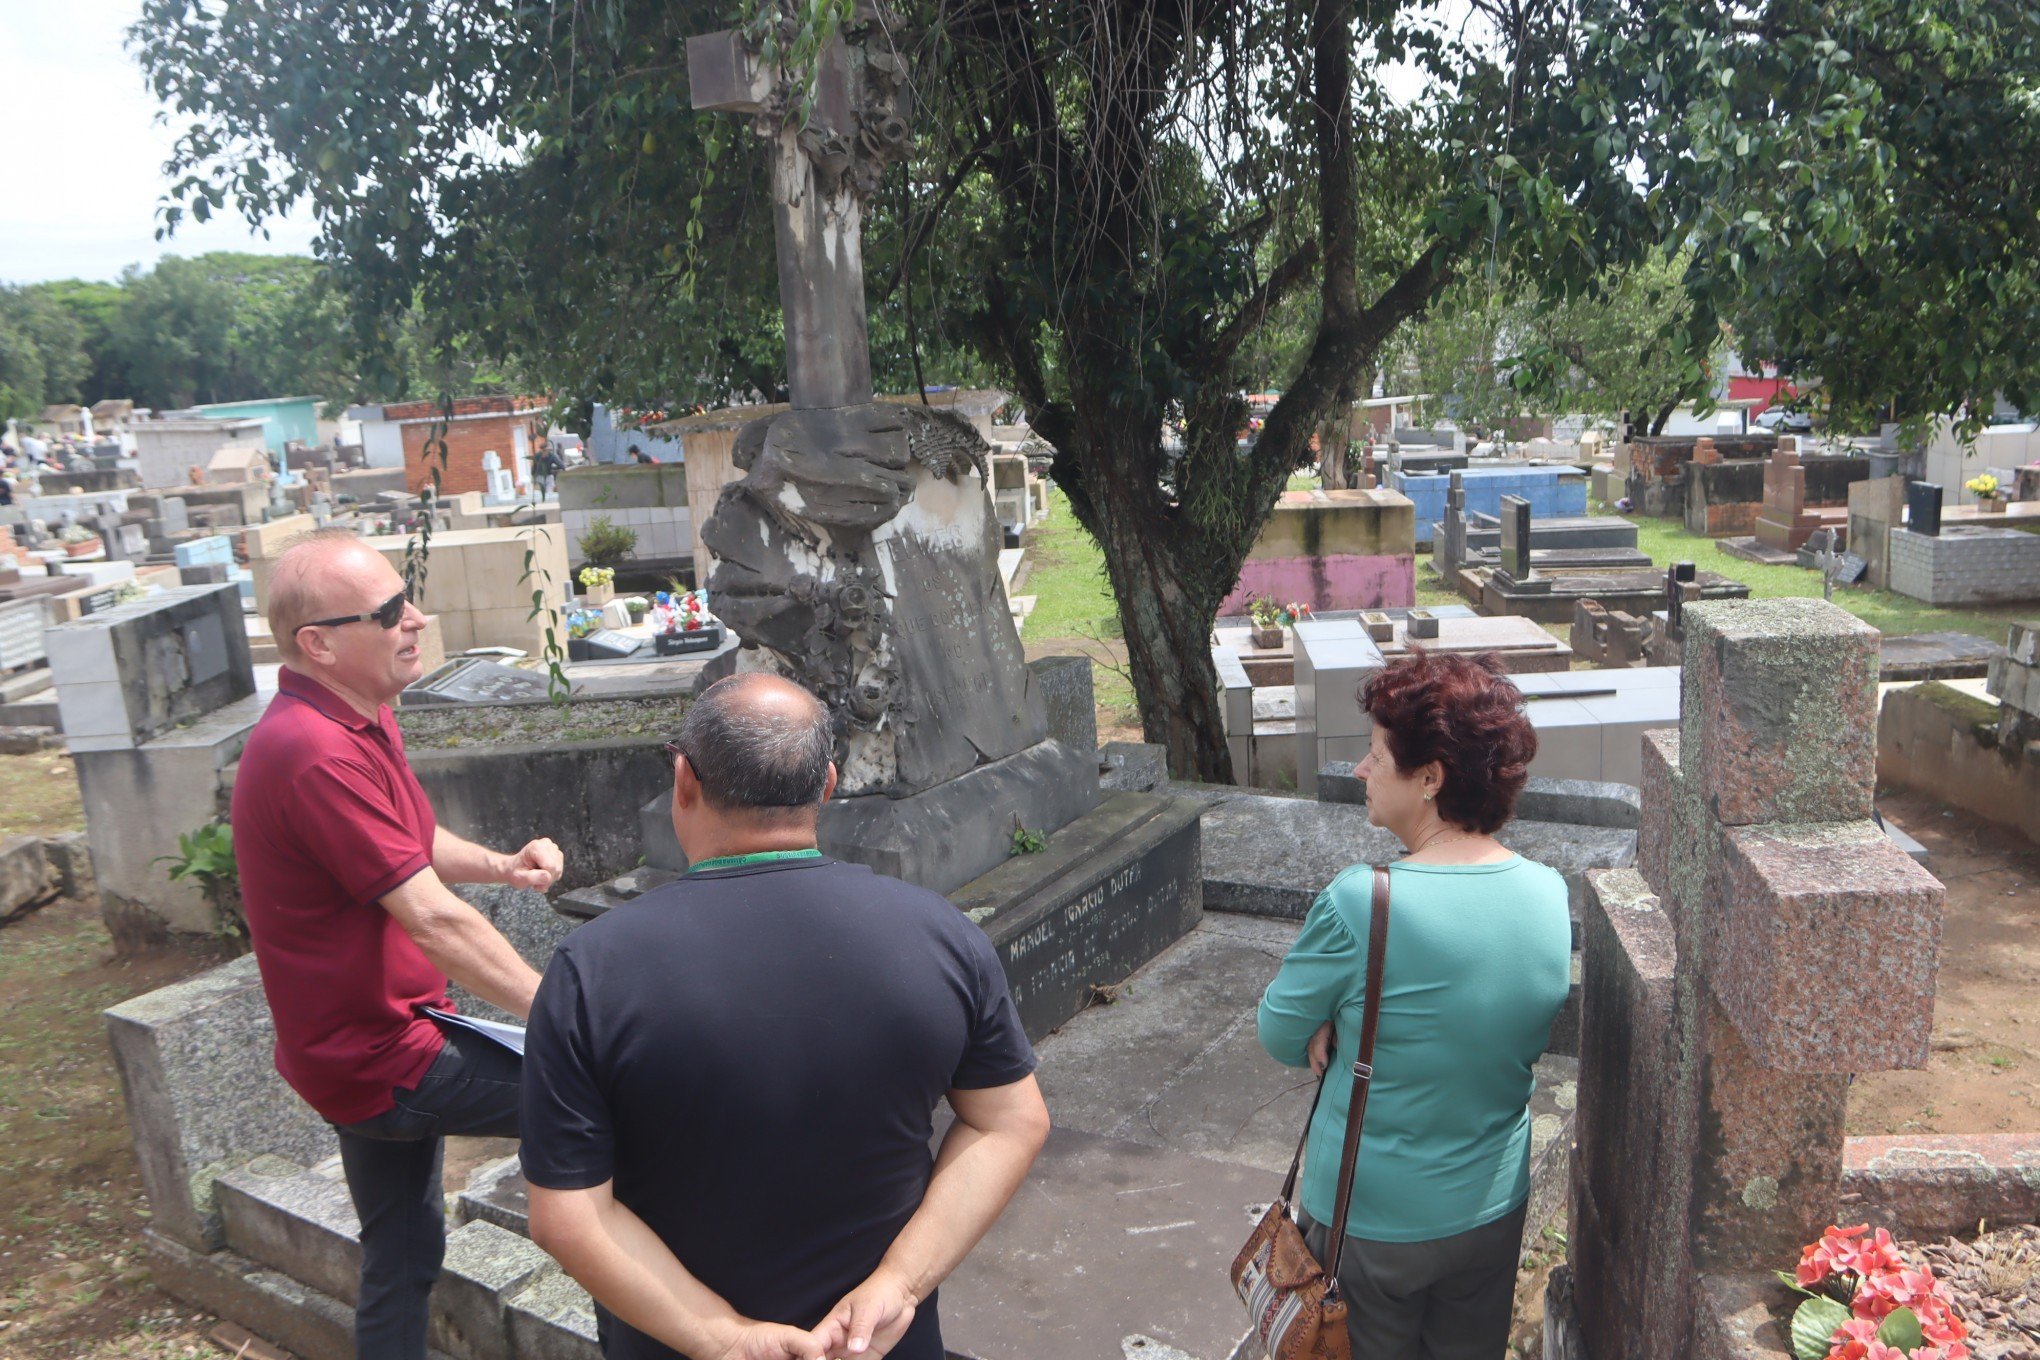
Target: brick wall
x,y
1970,566
1736,517
466,442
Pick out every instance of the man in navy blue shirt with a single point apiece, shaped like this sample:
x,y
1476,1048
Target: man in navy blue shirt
x,y
729,1083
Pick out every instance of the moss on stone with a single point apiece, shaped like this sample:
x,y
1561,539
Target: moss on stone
x,y
1966,708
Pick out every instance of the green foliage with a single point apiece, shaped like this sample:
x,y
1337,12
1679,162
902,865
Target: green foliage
x,y
1813,1326
42,354
1502,350
1025,842
1857,182
207,856
606,543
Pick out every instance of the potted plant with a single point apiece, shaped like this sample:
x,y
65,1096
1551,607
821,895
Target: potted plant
x,y
78,540
607,543
1989,493
1861,1300
1270,618
598,585
581,623
638,606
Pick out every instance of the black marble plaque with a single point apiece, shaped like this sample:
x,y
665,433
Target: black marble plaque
x,y
1923,508
1129,900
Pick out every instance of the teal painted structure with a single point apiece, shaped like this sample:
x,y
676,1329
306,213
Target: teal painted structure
x,y
283,418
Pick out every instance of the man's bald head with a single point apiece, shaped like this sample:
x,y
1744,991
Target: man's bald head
x,y
758,742
318,576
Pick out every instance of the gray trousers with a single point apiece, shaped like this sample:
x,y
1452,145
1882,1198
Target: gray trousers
x,y
1446,1299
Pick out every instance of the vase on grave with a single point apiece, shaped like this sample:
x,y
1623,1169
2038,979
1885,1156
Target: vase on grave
x,y
597,596
1268,639
1991,505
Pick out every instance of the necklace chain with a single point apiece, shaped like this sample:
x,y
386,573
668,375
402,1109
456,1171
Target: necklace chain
x,y
1439,838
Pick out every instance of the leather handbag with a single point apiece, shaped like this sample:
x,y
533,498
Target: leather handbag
x,y
1292,1300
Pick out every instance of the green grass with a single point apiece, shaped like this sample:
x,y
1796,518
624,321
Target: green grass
x,y
1667,541
1072,598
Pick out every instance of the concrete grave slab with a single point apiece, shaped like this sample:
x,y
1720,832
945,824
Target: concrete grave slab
x,y
179,1047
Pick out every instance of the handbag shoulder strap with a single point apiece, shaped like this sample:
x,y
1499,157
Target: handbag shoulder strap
x,y
1363,1068
1377,937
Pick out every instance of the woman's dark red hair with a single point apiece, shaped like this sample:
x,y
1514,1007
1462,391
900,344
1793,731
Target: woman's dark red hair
x,y
1460,712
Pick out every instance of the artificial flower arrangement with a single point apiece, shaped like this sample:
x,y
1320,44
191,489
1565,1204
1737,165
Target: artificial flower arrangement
x,y
1866,1302
680,611
1268,614
593,577
582,622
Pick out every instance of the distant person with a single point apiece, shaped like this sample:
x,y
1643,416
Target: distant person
x,y
729,1084
1477,964
6,488
343,873
546,466
638,455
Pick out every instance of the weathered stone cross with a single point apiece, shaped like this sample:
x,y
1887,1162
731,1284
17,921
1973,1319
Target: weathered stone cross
x,y
823,169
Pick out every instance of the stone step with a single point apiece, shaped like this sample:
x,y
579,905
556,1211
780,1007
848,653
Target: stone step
x,y
498,1294
308,1324
17,686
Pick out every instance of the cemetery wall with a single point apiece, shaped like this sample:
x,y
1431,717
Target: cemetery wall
x,y
480,425
1965,566
651,501
1332,550
1940,742
475,582
1724,499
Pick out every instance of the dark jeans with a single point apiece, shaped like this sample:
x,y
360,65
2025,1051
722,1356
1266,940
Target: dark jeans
x,y
392,1164
1446,1299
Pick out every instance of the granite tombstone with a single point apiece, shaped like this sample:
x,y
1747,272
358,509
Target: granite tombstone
x,y
858,553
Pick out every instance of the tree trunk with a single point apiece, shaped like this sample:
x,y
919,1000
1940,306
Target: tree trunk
x,y
1168,650
1164,577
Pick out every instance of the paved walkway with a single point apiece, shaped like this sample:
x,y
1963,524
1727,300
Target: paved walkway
x,y
1173,1129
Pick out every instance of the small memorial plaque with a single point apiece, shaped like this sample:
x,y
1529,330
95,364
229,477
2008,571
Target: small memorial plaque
x,y
473,681
1851,569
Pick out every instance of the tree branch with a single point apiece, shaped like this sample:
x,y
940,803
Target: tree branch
x,y
1279,284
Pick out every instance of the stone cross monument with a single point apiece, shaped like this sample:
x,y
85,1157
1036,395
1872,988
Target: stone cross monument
x,y
1770,941
858,555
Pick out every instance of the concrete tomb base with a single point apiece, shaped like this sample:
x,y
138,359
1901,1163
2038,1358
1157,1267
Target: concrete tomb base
x,y
1108,891
1632,592
941,838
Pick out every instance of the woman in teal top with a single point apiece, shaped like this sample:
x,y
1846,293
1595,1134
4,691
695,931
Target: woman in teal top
x,y
1476,968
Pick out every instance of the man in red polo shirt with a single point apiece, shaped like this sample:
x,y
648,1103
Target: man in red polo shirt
x,y
343,877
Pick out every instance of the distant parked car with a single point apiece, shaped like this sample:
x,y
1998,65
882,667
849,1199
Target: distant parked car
x,y
1778,420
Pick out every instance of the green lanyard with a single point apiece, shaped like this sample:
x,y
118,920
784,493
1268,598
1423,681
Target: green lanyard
x,y
745,861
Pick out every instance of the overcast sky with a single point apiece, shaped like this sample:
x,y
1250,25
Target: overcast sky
x,y
81,155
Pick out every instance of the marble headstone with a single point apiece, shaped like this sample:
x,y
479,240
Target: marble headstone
x,y
1923,508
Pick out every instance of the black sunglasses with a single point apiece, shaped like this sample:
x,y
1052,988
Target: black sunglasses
x,y
389,613
674,751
